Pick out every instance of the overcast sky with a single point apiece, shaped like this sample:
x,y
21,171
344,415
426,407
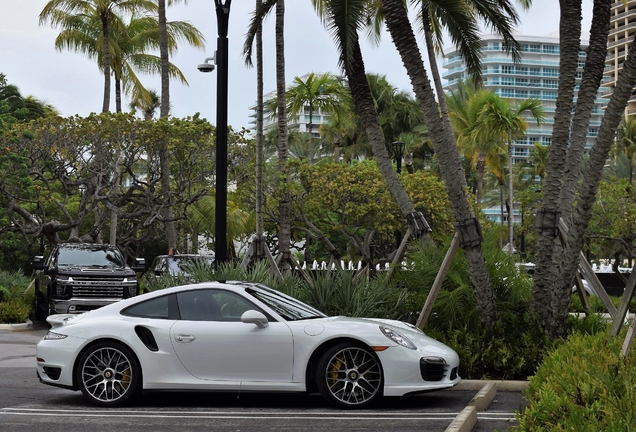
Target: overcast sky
x,y
74,84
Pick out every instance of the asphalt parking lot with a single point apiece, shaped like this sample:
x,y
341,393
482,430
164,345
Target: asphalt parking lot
x,y
25,404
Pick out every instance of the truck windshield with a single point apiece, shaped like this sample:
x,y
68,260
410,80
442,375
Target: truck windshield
x,y
90,258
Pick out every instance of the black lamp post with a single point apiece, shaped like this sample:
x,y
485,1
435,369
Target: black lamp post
x,y
220,212
398,152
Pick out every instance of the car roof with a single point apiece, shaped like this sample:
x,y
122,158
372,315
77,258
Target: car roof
x,y
86,246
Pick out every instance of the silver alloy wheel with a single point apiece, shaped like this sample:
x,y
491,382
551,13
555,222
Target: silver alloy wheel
x,y
107,374
353,376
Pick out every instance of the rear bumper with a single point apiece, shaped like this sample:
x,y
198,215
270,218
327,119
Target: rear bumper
x,y
76,305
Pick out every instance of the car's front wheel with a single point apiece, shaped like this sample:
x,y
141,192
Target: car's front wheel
x,y
349,376
108,374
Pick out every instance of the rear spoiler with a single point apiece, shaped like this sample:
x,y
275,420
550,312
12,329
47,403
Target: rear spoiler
x,y
59,320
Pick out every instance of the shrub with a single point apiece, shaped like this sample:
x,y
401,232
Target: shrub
x,y
14,311
583,385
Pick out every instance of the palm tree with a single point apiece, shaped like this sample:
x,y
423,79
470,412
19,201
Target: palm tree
x,y
538,159
448,157
147,106
129,46
317,92
344,18
57,12
498,117
626,143
284,208
464,105
459,18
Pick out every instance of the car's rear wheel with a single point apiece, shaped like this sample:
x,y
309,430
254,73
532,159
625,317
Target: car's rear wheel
x,y
109,374
349,376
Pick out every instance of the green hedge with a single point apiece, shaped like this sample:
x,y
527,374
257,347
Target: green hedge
x,y
583,385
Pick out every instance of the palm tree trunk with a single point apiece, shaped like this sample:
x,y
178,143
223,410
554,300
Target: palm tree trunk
x,y
481,168
106,61
117,95
284,206
511,212
365,108
258,250
587,194
546,272
447,153
171,235
430,48
559,198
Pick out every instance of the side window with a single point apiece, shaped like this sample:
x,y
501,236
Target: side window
x,y
212,305
154,308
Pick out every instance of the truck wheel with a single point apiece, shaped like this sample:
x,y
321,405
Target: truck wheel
x,y
41,307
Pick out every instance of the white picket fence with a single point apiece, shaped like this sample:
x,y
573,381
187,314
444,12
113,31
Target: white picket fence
x,y
323,265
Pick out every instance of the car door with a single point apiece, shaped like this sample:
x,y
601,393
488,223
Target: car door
x,y
213,344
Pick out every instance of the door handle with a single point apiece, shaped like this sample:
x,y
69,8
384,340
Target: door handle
x,y
185,338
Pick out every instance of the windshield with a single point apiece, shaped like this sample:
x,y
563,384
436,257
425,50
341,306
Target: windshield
x,y
287,307
98,258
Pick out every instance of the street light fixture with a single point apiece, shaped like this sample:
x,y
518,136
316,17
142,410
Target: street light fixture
x,y
398,152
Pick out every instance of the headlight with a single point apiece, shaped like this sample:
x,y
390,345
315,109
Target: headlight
x,y
54,336
397,338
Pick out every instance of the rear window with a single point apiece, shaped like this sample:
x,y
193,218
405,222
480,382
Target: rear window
x,y
163,307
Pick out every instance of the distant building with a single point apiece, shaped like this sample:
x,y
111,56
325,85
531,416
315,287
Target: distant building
x,y
621,34
535,76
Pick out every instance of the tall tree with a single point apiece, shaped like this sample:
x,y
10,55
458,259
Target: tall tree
x,y
499,117
448,157
626,143
345,18
556,265
284,209
56,12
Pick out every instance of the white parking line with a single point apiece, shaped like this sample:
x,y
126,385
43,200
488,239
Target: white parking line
x,y
286,415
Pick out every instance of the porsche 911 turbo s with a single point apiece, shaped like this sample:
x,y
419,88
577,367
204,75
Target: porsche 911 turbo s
x,y
238,336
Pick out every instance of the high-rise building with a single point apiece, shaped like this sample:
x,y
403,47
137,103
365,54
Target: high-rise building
x,y
535,76
621,34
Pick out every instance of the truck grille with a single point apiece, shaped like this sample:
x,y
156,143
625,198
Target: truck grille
x,y
85,287
98,290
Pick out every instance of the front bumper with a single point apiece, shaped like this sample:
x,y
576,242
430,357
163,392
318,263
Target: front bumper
x,y
75,305
423,369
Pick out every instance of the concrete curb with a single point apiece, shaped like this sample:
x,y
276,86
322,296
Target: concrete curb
x,y
484,397
465,420
501,385
28,325
486,392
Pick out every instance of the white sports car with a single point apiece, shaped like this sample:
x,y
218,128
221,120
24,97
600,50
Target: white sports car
x,y
238,336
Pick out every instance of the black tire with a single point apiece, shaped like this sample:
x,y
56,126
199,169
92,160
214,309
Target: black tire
x,y
41,307
108,374
350,376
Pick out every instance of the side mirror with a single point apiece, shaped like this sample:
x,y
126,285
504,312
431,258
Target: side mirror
x,y
140,265
38,263
255,317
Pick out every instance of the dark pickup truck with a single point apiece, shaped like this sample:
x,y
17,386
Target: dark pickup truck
x,y
78,277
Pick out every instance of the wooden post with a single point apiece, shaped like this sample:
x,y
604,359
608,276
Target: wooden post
x,y
398,256
437,284
622,308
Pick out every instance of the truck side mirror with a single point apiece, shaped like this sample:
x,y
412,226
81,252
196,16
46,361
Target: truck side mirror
x,y
38,263
140,265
